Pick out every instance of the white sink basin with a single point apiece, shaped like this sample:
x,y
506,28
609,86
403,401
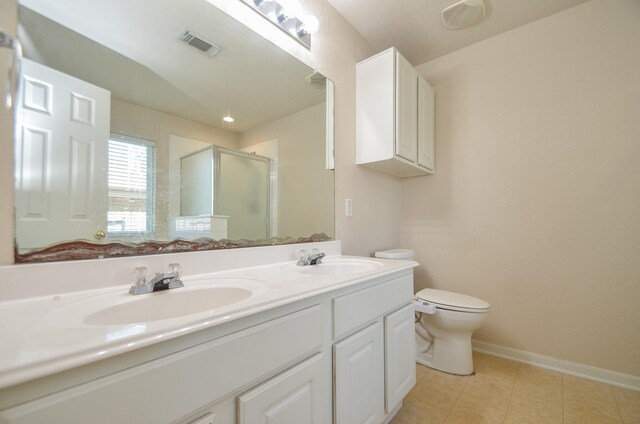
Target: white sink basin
x,y
167,304
116,307
338,267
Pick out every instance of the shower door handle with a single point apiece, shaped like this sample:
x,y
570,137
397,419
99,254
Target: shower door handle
x,y
12,82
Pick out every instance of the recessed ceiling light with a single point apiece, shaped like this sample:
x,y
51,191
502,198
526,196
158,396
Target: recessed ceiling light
x,y
228,118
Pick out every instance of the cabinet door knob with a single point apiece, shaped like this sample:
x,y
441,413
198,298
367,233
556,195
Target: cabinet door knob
x,y
99,235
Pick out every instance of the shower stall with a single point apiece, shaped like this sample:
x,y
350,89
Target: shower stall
x,y
231,185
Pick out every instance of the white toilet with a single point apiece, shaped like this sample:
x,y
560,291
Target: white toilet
x,y
446,322
443,335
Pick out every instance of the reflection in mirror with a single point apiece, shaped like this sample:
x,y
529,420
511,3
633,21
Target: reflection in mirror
x,y
122,148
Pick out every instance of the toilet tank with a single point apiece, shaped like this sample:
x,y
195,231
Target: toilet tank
x,y
404,254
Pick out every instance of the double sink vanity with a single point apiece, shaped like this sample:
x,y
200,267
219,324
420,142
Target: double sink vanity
x,y
251,337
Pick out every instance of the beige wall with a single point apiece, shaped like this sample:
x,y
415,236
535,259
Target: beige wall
x,y
535,205
305,196
138,121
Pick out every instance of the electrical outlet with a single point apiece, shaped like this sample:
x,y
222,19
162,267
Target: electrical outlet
x,y
348,207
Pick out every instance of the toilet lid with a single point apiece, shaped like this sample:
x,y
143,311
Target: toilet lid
x,y
453,301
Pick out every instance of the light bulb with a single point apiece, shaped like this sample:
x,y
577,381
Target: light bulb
x,y
292,7
311,24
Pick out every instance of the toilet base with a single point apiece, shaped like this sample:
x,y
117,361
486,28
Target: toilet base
x,y
452,355
423,358
443,336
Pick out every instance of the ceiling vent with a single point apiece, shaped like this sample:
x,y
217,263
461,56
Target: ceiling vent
x,y
463,13
197,41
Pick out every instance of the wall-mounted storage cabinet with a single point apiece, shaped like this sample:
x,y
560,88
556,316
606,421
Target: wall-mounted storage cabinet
x,y
394,116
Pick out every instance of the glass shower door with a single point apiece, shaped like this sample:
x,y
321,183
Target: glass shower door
x,y
242,194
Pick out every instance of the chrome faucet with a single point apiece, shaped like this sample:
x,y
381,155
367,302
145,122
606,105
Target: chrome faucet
x,y
305,259
162,280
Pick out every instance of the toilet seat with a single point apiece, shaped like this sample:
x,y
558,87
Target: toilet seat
x,y
451,301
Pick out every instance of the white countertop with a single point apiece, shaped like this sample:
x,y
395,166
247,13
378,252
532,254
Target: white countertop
x,y
44,335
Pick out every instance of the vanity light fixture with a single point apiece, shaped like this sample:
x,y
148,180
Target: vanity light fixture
x,y
275,12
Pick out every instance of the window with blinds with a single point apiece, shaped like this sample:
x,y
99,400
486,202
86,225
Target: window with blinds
x,y
130,206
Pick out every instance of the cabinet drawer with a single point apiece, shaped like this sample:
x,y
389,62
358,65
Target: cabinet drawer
x,y
356,309
169,388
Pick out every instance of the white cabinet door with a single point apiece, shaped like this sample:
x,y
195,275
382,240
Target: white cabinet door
x,y
389,119
400,358
359,377
61,158
426,157
294,396
406,109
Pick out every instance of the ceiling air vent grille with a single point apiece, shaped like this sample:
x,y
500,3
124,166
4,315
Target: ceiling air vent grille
x,y
199,43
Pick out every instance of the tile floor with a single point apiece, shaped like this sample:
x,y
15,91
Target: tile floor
x,y
507,392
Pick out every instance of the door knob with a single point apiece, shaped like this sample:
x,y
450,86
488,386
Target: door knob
x,y
99,235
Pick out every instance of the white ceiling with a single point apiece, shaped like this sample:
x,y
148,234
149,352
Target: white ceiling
x,y
137,56
416,29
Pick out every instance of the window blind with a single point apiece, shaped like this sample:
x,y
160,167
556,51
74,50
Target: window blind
x,y
131,186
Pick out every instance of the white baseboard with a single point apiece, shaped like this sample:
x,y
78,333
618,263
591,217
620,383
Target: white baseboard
x,y
614,378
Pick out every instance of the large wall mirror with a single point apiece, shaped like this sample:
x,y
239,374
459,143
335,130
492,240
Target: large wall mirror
x,y
162,125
